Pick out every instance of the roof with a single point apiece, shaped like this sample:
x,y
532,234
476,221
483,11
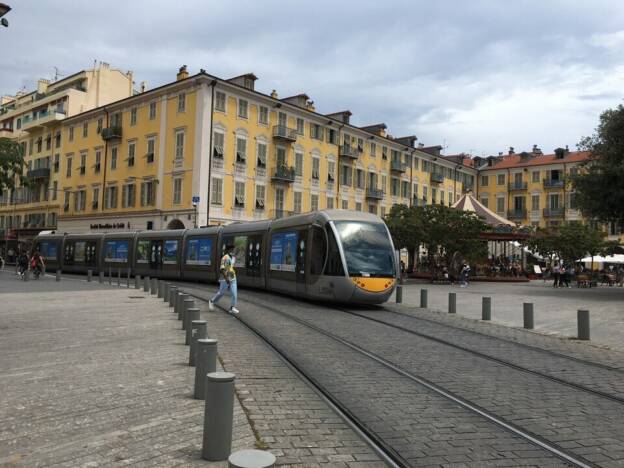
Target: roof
x,y
460,158
469,203
516,160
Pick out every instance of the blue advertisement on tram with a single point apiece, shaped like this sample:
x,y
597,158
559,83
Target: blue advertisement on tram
x,y
170,255
283,251
48,250
199,251
116,251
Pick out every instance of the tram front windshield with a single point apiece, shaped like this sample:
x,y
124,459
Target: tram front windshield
x,y
367,249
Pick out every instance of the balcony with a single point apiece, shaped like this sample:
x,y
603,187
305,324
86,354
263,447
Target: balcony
x,y
398,166
517,186
42,119
437,178
111,133
283,174
554,183
349,152
6,132
517,214
554,212
282,132
41,173
374,194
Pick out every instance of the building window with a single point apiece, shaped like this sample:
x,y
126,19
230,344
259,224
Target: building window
x,y
128,196
485,181
243,108
405,189
57,139
415,190
152,110
179,145
260,192
70,137
80,200
85,129
345,175
49,142
384,183
263,115
297,202
441,197
500,205
299,164
434,195
416,163
345,204
359,178
315,168
239,194
181,102
300,126
217,147
133,116
535,176
220,101
131,153
316,131
535,201
425,195
177,190
330,202
384,152
57,164
100,123
110,197
216,197
148,195
261,149
394,186
241,150
98,159
500,179
69,166
54,190
114,152
314,202
358,206
484,201
572,201
151,148
373,149
83,163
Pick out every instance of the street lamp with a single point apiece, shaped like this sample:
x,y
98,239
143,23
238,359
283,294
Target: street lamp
x,y
4,9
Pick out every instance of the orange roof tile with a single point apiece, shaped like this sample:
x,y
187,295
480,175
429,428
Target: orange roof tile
x,y
515,160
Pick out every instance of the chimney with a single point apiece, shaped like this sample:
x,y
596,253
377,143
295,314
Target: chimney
x,y
567,149
511,150
143,86
274,94
500,153
42,86
310,106
560,153
421,145
182,73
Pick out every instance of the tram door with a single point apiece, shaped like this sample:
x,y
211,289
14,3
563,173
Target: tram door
x,y
91,253
317,254
254,256
156,255
68,258
300,269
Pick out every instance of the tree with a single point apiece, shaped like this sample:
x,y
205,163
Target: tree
x,y
599,188
11,165
405,226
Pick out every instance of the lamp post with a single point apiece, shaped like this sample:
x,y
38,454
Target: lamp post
x,y
4,9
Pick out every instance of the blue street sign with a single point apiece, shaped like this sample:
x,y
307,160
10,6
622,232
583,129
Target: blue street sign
x,y
195,200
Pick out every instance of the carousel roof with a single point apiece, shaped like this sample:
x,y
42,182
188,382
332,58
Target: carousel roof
x,y
469,203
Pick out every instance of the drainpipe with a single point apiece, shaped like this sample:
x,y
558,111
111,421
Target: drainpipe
x,y
564,192
337,181
105,163
212,87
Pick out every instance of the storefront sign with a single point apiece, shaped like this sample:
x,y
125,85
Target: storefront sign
x,y
109,226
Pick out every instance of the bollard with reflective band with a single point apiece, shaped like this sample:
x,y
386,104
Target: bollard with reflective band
x,y
137,281
205,362
452,305
173,292
218,416
582,317
191,314
251,458
89,275
399,294
486,308
186,305
527,312
101,277
199,331
146,283
423,298
58,275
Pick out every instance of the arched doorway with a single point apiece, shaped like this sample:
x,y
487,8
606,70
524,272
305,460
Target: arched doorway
x,y
175,224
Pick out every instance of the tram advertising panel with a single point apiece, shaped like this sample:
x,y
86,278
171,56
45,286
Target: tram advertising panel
x,y
116,251
199,251
170,255
48,250
142,253
283,251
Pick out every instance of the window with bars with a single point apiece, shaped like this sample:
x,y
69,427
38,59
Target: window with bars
x,y
177,190
133,116
260,193
216,189
220,101
239,194
241,150
262,153
179,145
218,144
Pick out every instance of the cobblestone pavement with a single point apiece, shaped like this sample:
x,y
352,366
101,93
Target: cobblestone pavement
x,y
555,309
92,375
587,425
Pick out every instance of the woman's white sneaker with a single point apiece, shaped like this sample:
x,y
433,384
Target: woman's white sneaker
x,y
233,310
210,305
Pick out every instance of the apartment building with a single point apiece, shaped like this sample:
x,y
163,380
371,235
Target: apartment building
x,y
34,120
203,151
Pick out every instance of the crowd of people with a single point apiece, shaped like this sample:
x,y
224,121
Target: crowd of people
x,y
25,262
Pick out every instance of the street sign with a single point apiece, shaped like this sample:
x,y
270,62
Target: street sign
x,y
195,200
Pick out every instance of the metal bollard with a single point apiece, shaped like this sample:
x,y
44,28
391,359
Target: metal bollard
x,y
137,281
187,304
110,276
423,298
399,293
58,275
218,416
179,307
251,458
128,279
191,314
89,275
161,289
101,277
206,362
27,275
154,286
527,310
146,283
199,331
173,292
165,294
452,307
486,308
582,318
119,277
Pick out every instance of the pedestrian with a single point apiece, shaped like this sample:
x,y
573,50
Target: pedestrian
x,y
556,275
463,275
227,280
564,277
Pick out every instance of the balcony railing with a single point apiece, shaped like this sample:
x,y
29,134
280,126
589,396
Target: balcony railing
x,y
284,133
553,212
283,174
517,214
349,152
40,173
111,133
374,194
398,166
554,183
42,119
437,178
517,186
6,132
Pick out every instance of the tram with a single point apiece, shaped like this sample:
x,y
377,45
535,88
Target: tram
x,y
331,255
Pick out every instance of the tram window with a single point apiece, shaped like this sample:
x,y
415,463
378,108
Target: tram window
x,y
143,248
80,251
334,262
318,252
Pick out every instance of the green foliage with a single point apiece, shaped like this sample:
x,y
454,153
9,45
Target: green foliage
x,y
599,188
11,165
570,242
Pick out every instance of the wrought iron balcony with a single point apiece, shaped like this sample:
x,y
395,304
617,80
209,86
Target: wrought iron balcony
x,y
398,166
554,212
40,173
282,132
517,186
437,178
554,183
111,133
517,214
283,174
349,152
374,194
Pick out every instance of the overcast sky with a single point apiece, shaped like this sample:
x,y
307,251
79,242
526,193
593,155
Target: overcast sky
x,y
475,76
